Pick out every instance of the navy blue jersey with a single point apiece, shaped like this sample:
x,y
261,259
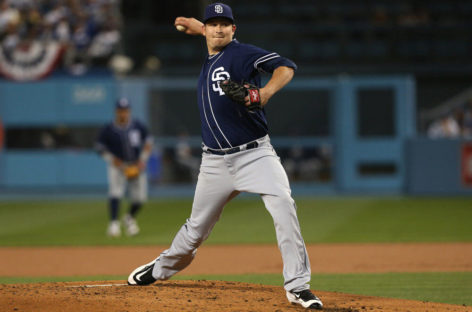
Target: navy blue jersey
x,y
225,123
125,143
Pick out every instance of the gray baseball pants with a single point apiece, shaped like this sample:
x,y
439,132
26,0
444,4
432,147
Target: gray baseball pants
x,y
221,178
117,182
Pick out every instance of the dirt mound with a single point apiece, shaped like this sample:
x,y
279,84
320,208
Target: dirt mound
x,y
192,296
213,295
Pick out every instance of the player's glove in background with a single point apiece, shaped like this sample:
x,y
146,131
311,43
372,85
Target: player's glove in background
x,y
131,172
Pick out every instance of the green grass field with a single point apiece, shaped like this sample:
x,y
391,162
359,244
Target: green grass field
x,y
47,223
325,220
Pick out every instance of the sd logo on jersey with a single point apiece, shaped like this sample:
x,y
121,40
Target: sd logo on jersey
x,y
134,138
219,74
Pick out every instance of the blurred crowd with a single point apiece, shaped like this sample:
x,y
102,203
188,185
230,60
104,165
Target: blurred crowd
x,y
411,15
87,30
456,124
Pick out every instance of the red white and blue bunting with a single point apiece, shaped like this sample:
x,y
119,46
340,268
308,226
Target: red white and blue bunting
x,y
30,61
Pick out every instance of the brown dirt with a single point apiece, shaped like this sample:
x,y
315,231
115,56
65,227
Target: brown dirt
x,y
336,258
210,295
188,296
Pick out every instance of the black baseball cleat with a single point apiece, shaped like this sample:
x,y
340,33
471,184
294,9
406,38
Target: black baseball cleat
x,y
306,299
142,275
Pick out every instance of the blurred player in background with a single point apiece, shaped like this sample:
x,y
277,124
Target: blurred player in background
x,y
125,145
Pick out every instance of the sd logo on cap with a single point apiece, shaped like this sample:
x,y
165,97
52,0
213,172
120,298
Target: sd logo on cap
x,y
218,10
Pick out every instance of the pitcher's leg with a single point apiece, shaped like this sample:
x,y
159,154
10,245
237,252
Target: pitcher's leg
x,y
213,191
296,271
261,172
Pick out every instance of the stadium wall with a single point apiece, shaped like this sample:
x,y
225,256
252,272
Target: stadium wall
x,y
371,130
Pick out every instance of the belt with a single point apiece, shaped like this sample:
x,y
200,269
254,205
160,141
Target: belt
x,y
233,150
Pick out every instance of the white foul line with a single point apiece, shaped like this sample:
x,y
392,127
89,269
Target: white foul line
x,y
103,285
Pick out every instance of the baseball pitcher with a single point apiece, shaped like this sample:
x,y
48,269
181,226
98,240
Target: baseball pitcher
x,y
237,154
125,146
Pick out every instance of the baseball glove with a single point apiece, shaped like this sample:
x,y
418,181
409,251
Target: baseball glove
x,y
131,172
238,92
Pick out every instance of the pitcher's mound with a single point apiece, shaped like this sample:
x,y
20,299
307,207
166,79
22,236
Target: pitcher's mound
x,y
108,296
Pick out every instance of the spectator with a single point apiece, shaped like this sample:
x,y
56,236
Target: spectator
x,y
104,43
414,16
88,30
8,16
467,120
446,127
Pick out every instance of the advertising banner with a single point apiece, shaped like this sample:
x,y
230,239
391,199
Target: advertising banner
x,y
466,164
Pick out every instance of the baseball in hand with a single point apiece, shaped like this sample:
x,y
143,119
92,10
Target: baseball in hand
x,y
181,28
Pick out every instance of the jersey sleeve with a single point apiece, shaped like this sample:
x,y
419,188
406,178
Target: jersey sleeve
x,y
145,136
270,65
256,59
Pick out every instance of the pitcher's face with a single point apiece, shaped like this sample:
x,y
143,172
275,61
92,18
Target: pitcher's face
x,y
218,33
